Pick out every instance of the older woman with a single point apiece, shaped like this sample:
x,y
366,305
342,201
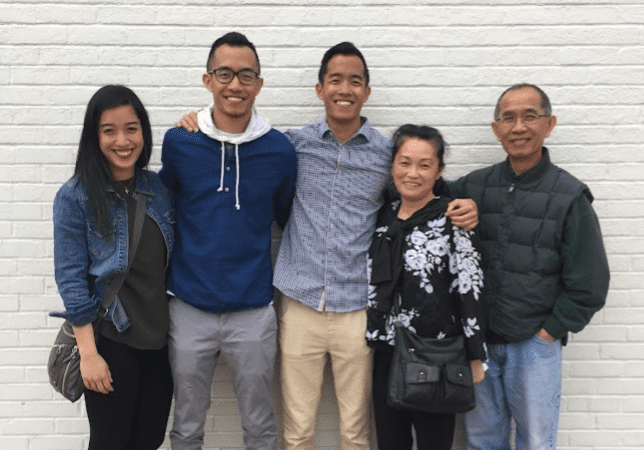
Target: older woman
x,y
433,267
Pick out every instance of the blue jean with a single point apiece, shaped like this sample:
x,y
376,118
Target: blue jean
x,y
248,342
523,382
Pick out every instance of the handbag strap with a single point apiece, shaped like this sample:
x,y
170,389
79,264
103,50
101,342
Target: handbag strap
x,y
396,304
118,279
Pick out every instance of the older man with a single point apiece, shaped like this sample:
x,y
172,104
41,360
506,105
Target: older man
x,y
546,274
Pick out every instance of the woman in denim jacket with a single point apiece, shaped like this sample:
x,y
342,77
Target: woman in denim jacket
x,y
126,372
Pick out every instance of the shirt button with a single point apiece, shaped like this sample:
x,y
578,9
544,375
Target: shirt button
x,y
228,168
226,189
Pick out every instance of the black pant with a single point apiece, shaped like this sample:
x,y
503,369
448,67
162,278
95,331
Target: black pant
x,y
134,416
393,426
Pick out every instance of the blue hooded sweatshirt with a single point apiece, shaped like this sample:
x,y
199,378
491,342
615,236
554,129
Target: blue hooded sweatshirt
x,y
228,190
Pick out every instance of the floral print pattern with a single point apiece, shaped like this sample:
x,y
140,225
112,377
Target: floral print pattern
x,y
466,262
426,251
441,285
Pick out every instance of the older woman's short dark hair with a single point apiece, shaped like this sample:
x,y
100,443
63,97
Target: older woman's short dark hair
x,y
424,133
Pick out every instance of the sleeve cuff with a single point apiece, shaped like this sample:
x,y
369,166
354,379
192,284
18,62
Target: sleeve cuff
x,y
555,327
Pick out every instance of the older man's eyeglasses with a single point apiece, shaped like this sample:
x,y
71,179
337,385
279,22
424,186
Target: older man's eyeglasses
x,y
527,118
225,75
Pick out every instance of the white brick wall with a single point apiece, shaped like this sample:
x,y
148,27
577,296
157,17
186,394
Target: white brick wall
x,y
442,63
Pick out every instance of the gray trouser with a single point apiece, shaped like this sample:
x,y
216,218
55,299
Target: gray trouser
x,y
248,342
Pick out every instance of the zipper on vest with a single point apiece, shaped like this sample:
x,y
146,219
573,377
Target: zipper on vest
x,y
511,188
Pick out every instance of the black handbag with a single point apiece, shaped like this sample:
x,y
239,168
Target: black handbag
x,y
63,366
429,375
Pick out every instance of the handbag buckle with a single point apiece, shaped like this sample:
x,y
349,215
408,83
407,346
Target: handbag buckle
x,y
103,312
422,373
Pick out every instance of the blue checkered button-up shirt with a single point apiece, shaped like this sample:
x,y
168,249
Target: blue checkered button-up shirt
x,y
322,261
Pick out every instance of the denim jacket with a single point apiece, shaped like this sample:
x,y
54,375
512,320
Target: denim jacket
x,y
85,261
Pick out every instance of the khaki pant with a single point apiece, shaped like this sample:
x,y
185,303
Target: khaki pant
x,y
307,336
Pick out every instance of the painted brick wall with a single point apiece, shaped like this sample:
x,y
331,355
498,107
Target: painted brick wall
x,y
442,63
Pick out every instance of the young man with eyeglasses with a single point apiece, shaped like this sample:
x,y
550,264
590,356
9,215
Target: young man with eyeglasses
x,y
546,274
229,182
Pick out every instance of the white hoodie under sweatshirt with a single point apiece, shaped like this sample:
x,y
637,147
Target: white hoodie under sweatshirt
x,y
257,127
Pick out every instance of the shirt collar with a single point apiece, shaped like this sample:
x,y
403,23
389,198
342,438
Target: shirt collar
x,y
364,132
532,174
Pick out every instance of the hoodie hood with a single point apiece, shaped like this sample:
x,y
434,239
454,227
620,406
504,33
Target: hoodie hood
x,y
257,127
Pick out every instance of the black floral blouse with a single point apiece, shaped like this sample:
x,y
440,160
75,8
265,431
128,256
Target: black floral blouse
x,y
435,270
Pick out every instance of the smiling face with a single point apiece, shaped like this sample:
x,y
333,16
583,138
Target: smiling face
x,y
343,92
233,101
521,141
415,170
121,140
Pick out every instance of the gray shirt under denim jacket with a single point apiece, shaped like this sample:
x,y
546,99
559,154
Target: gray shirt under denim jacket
x,y
86,261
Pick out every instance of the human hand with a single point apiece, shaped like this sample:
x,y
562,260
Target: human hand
x,y
544,335
189,122
478,372
463,213
96,374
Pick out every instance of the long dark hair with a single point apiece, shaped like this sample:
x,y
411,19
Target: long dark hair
x,y
92,168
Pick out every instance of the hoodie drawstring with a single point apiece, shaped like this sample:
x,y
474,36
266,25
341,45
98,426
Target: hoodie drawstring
x,y
257,127
223,161
237,178
221,178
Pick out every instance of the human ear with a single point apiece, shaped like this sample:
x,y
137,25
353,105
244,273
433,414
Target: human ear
x,y
206,79
495,129
368,92
258,85
552,121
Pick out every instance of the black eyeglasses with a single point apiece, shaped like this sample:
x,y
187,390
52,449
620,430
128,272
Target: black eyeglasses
x,y
225,75
527,118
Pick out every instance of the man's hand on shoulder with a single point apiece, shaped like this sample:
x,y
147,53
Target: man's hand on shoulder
x,y
463,213
189,122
